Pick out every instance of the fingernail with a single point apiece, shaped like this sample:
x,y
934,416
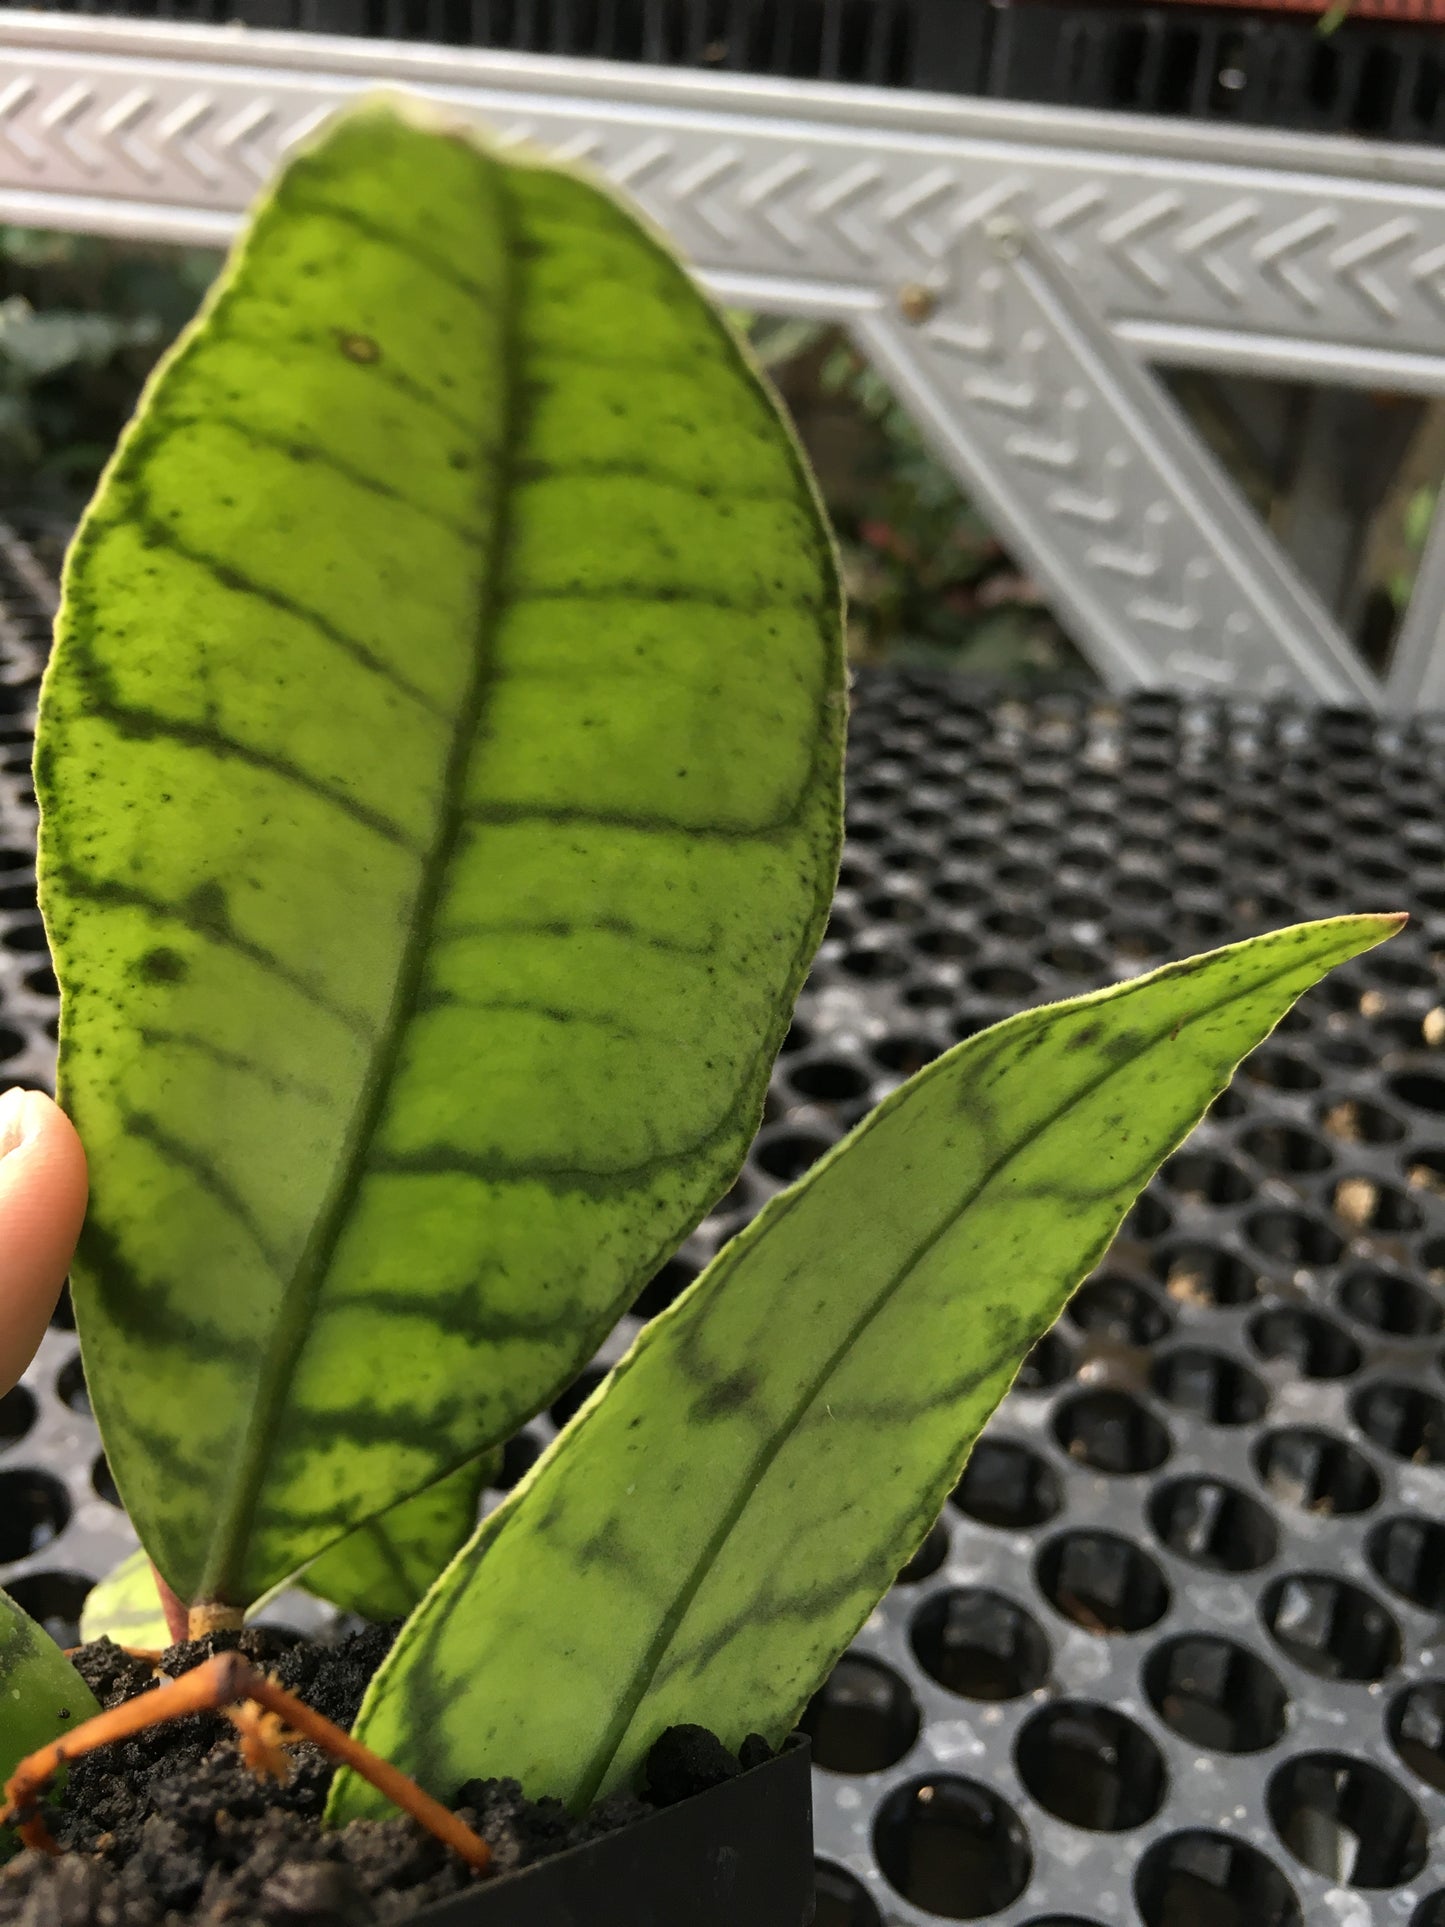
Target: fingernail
x,y
21,1114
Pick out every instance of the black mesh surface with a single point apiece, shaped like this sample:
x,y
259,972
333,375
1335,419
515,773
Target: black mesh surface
x,y
1207,63
1174,1653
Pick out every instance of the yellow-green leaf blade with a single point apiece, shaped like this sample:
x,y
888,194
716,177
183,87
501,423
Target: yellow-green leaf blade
x,y
708,1535
439,775
381,1569
125,1606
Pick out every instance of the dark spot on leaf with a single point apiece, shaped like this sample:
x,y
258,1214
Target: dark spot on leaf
x,y
163,966
1089,1035
729,1395
207,907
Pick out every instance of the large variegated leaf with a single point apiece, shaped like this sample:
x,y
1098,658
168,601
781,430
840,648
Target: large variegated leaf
x,y
41,1694
439,770
708,1534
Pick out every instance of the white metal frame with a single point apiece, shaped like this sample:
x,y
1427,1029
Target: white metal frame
x,y
1012,269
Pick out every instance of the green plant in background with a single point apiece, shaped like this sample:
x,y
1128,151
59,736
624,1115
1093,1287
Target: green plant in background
x,y
925,574
1415,527
81,322
440,782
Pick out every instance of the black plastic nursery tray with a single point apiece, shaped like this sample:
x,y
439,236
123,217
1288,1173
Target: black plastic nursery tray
x,y
736,1856
1175,1654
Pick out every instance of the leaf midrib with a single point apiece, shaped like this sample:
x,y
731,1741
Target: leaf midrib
x,y
226,1557
647,1668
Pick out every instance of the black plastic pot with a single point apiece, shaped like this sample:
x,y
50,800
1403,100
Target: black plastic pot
x,y
740,1855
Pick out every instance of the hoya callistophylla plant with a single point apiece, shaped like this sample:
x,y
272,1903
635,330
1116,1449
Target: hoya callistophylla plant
x,y
439,770
710,1531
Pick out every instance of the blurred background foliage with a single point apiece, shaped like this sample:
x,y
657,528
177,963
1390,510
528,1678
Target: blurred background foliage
x,y
1347,481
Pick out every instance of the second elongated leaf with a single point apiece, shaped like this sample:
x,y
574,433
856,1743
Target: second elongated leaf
x,y
709,1533
439,770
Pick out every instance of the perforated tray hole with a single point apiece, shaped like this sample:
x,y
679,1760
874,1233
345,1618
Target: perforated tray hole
x,y
1389,1302
942,943
902,1054
979,1644
786,1154
1416,1726
1314,1345
1330,1627
1200,1879
34,1510
1425,1171
27,936
54,1599
1287,1150
1113,1432
1005,1484
1347,1820
1210,1385
1421,1090
1147,1218
928,1558
664,1287
1282,1070
1118,1310
1353,1120
1198,1177
17,1415
1091,1766
1201,1274
828,1080
520,1453
102,1481
568,1403
71,1388
862,1719
952,1847
1408,1553
1291,1238
1313,1469
842,1901
1430,1912
1367,1205
1213,1524
1403,1419
1216,1694
1102,1582
1048,1363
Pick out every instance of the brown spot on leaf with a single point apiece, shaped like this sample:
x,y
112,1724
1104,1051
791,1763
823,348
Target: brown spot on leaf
x,y
357,347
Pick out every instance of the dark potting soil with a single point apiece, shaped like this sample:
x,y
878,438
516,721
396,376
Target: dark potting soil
x,y
171,1827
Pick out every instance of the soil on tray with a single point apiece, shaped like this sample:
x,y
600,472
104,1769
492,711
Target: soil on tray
x,y
171,1827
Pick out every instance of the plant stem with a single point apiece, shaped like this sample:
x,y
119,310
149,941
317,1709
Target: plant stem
x,y
219,1683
